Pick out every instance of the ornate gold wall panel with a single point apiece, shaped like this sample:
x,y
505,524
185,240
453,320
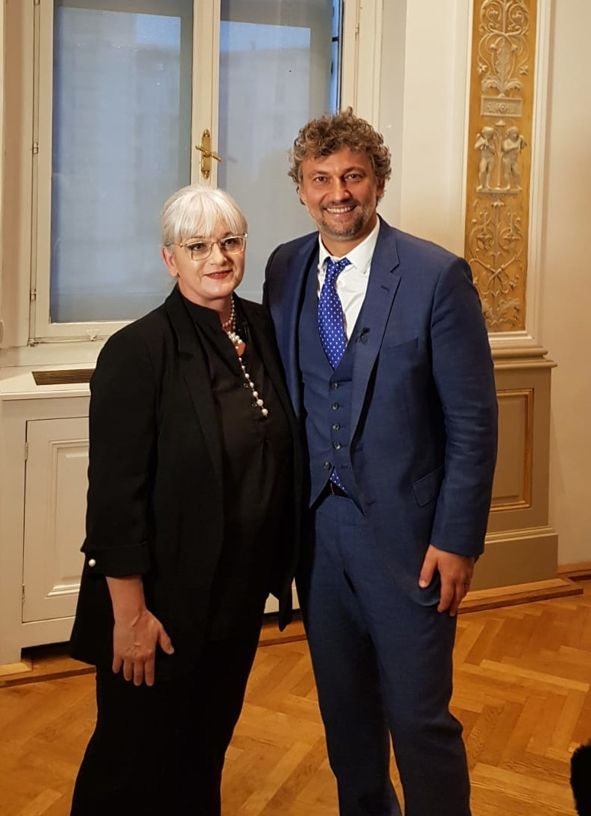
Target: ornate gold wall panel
x,y
499,159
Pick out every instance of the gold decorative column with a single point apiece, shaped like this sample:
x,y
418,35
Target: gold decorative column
x,y
500,137
521,546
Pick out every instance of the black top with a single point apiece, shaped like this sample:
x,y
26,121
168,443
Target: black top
x,y
257,462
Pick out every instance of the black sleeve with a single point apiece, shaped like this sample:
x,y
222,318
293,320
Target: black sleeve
x,y
121,459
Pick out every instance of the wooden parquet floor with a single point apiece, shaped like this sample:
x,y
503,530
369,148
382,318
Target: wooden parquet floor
x,y
522,691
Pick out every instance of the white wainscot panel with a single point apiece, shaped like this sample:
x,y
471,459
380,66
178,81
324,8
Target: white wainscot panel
x,y
55,485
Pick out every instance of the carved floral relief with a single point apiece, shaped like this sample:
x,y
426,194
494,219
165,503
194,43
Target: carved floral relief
x,y
501,104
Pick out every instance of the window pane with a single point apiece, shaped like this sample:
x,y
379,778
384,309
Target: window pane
x,y
279,67
121,145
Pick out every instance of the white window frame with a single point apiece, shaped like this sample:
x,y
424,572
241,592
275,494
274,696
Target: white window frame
x,y
26,257
204,81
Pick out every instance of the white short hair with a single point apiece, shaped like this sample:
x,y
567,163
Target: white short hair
x,y
199,211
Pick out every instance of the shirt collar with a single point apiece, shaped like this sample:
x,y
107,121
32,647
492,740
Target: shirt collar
x,y
360,256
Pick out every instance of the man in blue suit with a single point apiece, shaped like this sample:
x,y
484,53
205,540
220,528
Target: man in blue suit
x,y
388,365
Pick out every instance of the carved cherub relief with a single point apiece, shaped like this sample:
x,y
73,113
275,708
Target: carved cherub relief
x,y
511,147
485,144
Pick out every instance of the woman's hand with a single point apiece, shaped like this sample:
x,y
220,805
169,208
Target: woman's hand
x,y
134,647
137,633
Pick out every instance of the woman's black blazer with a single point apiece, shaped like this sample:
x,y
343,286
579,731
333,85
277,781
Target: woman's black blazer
x,y
155,480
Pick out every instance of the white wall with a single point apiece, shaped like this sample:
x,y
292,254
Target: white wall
x,y
565,308
423,115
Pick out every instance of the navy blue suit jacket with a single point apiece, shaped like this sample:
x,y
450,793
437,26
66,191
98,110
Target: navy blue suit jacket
x,y
424,411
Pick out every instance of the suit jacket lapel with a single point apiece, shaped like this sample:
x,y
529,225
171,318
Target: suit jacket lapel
x,y
194,370
377,306
300,264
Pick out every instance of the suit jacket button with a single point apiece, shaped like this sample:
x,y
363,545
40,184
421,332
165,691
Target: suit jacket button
x,y
337,446
91,562
327,466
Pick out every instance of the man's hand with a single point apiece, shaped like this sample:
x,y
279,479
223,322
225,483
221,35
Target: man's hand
x,y
455,572
134,647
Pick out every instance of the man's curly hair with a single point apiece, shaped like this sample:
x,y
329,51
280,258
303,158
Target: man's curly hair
x,y
328,134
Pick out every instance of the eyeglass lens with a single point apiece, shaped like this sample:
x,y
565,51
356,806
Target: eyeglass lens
x,y
232,244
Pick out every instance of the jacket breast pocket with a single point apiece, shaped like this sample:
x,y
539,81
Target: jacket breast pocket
x,y
426,489
393,346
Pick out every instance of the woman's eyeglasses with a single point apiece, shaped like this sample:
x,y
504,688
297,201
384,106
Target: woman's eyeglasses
x,y
200,249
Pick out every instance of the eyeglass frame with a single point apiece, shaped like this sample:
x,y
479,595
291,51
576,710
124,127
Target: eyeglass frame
x,y
186,245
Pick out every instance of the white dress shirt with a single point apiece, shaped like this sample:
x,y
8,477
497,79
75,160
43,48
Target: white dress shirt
x,y
352,281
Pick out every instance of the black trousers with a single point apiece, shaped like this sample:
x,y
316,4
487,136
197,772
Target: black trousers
x,y
160,751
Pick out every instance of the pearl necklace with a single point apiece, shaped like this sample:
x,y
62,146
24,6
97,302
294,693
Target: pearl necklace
x,y
229,327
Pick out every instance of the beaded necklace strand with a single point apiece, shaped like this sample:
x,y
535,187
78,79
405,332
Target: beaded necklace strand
x,y
229,327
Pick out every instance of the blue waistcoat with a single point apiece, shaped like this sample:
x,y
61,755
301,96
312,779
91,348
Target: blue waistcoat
x,y
326,400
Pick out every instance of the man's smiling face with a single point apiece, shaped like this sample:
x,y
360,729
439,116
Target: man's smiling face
x,y
341,193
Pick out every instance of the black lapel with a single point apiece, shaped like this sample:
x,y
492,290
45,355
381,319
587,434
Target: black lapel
x,y
287,316
194,370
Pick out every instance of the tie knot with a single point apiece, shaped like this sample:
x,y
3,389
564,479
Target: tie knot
x,y
334,268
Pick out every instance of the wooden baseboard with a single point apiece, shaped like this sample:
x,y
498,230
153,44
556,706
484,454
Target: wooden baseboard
x,y
38,663
270,633
25,665
578,572
480,599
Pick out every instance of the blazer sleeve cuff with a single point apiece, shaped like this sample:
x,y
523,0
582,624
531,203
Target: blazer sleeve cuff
x,y
472,546
132,559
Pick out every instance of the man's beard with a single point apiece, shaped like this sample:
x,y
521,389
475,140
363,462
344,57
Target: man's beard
x,y
345,231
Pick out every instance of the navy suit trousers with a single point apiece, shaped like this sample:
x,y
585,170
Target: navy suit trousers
x,y
383,667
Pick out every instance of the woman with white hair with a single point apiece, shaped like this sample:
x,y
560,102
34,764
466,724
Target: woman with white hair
x,y
193,503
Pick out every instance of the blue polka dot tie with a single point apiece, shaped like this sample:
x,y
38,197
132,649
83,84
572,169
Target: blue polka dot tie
x,y
331,320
